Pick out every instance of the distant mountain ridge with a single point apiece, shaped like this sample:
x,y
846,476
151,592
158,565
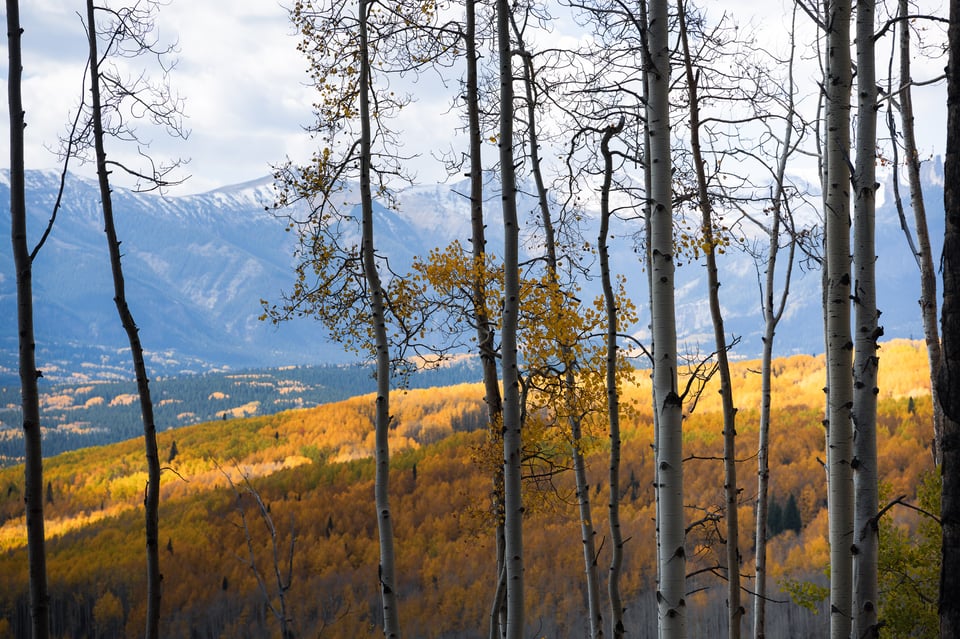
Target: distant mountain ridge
x,y
197,267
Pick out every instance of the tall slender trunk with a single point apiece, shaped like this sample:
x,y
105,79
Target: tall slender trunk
x,y
569,384
928,273
865,365
734,609
613,391
838,335
484,325
151,500
512,443
648,255
671,604
949,377
771,317
387,576
29,392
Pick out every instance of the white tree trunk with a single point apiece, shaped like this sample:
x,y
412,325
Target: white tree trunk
x,y
512,444
387,577
484,325
671,605
838,335
569,384
865,588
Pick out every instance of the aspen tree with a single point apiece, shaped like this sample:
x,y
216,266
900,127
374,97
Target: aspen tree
x,y
866,362
734,609
349,287
772,312
387,569
485,327
29,392
671,604
837,312
612,386
512,441
129,30
557,312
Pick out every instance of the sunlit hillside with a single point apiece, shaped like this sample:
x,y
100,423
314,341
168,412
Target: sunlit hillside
x,y
313,471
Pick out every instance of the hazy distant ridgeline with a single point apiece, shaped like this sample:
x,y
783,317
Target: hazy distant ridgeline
x,y
197,267
313,469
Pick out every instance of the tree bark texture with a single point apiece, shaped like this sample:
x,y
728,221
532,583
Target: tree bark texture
x,y
671,559
387,571
838,334
29,392
866,362
512,444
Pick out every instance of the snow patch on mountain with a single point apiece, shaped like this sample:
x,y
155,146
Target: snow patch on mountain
x,y
198,266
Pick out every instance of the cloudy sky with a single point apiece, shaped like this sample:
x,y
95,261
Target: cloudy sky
x,y
243,81
238,70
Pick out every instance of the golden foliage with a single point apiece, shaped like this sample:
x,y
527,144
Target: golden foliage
x,y
313,468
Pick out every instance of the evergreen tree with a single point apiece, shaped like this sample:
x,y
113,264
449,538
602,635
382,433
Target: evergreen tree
x,y
775,518
790,516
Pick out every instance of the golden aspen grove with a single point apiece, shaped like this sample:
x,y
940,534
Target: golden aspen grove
x,y
313,468
472,354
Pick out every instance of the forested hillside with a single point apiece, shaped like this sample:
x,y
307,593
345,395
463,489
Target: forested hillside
x,y
313,471
103,412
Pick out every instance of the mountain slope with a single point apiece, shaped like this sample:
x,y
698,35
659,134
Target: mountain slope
x,y
198,266
313,470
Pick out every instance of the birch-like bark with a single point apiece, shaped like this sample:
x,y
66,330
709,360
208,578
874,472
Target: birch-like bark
x,y
671,604
387,571
151,501
613,391
865,473
734,609
949,377
512,444
928,273
29,392
648,257
838,334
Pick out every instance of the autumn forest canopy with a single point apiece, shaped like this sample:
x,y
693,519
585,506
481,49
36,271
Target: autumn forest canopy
x,y
313,469
602,476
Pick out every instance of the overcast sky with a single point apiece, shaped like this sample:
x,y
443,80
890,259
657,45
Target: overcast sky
x,y
238,71
243,81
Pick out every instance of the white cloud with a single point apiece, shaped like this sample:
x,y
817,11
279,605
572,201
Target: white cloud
x,y
246,99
